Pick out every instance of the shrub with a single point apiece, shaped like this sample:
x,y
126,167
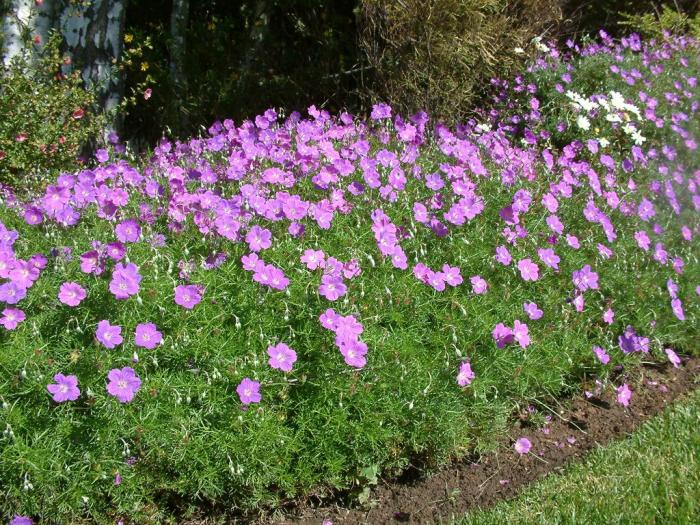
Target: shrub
x,y
438,56
47,118
299,304
669,20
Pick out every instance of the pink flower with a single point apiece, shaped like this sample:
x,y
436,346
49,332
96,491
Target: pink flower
x,y
281,357
147,336
187,296
479,285
128,231
110,336
452,275
608,316
602,356
123,384
624,394
533,311
11,317
259,238
71,294
332,287
522,445
465,375
529,271
313,259
249,391
502,335
520,333
65,388
673,357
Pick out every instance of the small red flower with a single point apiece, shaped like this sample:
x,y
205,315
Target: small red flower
x,y
147,94
21,137
78,113
2,155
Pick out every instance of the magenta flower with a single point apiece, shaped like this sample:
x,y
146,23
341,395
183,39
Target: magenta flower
x,y
11,293
313,259
673,357
529,271
65,388
522,446
109,335
128,231
533,311
452,275
21,520
465,375
123,383
602,356
585,278
677,307
329,319
503,255
249,391
71,294
332,287
187,296
259,238
147,336
281,357
125,281
502,335
520,333
479,285
548,257
11,317
579,303
608,316
354,352
116,251
624,394
572,241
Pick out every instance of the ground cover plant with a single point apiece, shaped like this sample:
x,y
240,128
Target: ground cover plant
x,y
304,304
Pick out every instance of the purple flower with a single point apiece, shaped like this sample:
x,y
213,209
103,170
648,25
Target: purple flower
x,y
624,394
529,271
123,384
502,335
673,357
479,285
147,336
602,356
125,281
110,336
503,255
11,317
585,278
259,238
380,111
353,351
128,231
452,275
21,520
522,446
677,307
71,294
332,287
116,251
313,259
11,293
65,388
608,316
533,311
572,241
520,333
548,257
281,357
579,302
249,391
465,375
187,296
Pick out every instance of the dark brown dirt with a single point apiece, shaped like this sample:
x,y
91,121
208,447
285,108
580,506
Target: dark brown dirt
x,y
571,432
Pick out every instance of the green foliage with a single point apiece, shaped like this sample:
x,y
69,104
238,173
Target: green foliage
x,y
439,56
658,468
47,118
669,20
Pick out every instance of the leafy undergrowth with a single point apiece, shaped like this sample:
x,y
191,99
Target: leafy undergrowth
x,y
296,305
657,468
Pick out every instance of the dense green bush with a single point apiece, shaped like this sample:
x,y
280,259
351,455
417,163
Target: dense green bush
x,y
47,118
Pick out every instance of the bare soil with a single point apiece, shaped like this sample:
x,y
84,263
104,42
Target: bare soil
x,y
576,428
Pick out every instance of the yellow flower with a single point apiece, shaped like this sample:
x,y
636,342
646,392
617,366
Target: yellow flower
x,y
128,37
144,66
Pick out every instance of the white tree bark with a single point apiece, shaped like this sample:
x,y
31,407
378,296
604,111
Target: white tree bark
x,y
16,22
93,34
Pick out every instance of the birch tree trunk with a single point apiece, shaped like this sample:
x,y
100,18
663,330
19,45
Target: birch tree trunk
x,y
16,22
93,33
